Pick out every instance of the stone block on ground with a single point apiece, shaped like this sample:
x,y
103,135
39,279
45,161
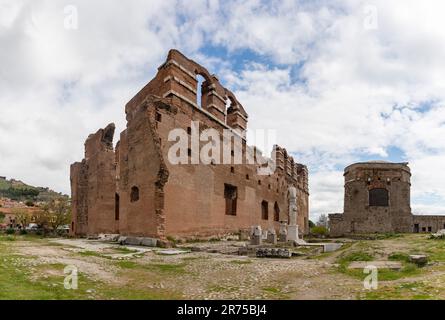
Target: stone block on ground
x,y
272,238
419,259
133,241
439,235
109,237
292,233
256,236
149,242
330,247
264,234
172,252
282,233
394,265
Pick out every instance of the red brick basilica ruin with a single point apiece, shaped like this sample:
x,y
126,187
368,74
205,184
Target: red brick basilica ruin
x,y
143,188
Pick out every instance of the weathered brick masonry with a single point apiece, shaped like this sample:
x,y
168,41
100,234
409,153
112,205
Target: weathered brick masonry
x,y
377,200
135,190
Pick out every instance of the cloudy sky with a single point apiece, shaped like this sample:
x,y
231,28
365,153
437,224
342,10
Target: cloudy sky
x,y
341,81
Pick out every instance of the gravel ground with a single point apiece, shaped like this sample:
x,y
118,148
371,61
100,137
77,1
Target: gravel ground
x,y
199,275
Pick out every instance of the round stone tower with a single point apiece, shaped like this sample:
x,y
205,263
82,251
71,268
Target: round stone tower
x,y
377,199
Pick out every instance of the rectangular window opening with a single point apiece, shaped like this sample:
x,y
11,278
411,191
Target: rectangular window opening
x,y
265,210
231,196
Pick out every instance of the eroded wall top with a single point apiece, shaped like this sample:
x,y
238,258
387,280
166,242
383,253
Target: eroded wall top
x,y
178,78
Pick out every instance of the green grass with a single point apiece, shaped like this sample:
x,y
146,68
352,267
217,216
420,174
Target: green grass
x,y
126,264
20,283
272,290
404,291
124,250
23,237
20,280
355,256
222,288
399,256
408,269
8,238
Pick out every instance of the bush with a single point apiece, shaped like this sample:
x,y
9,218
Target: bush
x,y
23,232
10,231
29,203
319,231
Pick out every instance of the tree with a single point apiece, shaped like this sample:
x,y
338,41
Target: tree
x,y
323,221
55,213
319,231
311,224
22,217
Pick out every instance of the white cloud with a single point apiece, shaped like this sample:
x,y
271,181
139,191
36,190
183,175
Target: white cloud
x,y
335,90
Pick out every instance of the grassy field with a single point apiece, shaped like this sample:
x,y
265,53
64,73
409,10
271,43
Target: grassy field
x,y
33,268
411,281
22,278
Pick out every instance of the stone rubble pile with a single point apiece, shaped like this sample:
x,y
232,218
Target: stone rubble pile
x,y
273,253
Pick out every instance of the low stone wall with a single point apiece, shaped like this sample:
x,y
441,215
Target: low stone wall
x,y
423,223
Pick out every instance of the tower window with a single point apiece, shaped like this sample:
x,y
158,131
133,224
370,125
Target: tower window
x,y
378,197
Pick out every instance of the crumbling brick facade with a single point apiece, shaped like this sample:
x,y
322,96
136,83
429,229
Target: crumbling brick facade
x,y
377,200
93,185
150,196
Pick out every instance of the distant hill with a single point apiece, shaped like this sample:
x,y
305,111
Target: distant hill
x,y
20,191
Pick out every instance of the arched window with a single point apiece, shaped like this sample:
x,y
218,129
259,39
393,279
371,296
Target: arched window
x,y
276,210
378,197
116,207
265,210
134,196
